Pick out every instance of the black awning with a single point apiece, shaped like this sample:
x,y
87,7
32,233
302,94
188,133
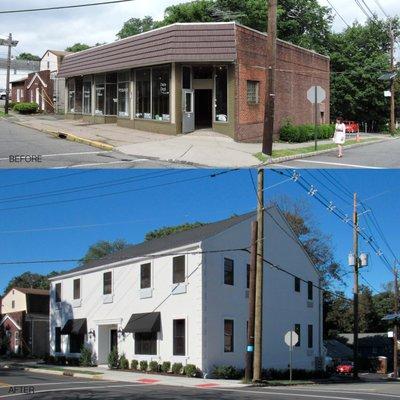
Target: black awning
x,y
75,326
145,322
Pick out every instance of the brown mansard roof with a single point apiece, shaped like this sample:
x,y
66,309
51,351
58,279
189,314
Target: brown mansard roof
x,y
180,42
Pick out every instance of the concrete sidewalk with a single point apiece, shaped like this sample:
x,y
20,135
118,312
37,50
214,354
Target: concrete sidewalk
x,y
137,377
200,148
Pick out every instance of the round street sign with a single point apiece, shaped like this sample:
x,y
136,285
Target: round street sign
x,y
291,338
321,95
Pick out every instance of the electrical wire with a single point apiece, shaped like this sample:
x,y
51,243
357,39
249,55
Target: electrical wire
x,y
337,13
103,3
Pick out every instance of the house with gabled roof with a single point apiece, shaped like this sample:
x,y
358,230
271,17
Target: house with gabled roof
x,y
184,298
24,320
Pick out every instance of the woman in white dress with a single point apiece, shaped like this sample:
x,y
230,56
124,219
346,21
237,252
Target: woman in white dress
x,y
340,135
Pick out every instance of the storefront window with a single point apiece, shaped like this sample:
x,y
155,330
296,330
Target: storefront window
x,y
186,84
111,94
99,104
78,94
221,94
87,95
143,94
71,96
160,93
123,94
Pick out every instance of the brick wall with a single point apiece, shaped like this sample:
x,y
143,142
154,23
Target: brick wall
x,y
297,70
44,85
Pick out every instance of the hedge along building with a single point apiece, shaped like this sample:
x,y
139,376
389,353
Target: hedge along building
x,y
187,76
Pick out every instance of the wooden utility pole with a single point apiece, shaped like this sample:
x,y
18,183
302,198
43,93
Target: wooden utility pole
x,y
9,42
392,126
252,298
269,113
257,363
355,289
396,327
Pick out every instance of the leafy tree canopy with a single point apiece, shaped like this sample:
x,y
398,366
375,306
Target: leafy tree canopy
x,y
77,47
30,280
103,248
168,230
136,25
28,57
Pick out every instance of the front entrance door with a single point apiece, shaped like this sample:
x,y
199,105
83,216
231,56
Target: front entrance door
x,y
187,111
113,339
203,108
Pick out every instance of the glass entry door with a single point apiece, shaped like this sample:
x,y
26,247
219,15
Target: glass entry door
x,y
187,111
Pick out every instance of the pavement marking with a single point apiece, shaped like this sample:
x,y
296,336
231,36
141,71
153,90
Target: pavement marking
x,y
338,164
147,380
207,385
321,396
104,163
76,388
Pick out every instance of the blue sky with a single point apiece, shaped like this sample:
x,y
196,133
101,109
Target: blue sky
x,y
63,229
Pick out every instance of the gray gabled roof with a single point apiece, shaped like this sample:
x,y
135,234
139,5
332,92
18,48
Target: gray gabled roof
x,y
172,241
21,65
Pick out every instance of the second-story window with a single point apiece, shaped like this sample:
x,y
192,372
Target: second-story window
x,y
178,269
228,271
310,290
145,276
77,289
107,282
297,329
58,292
297,284
13,304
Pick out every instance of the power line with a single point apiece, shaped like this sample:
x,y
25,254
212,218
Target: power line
x,y
337,13
381,8
64,7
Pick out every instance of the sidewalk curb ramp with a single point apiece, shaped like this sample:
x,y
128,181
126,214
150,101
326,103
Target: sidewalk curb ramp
x,y
315,153
69,136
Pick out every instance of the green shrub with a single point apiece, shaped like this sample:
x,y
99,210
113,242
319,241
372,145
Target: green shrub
x,y
134,364
143,365
304,133
60,360
86,358
298,374
166,366
227,372
113,358
26,108
190,370
123,363
176,368
153,366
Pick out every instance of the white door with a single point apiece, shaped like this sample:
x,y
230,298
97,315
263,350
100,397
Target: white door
x,y
37,97
43,105
187,111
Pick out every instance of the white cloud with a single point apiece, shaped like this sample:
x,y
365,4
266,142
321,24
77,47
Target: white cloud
x,y
39,31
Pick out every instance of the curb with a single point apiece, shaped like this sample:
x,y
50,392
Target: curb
x,y
315,153
64,373
69,136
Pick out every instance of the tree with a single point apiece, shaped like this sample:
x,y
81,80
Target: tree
x,y
77,47
103,248
168,230
337,314
30,280
136,25
28,57
359,56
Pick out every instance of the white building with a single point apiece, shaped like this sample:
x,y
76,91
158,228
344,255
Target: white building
x,y
51,60
184,298
19,69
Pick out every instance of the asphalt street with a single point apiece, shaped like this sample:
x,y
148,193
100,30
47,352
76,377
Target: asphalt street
x,y
376,156
16,140
62,387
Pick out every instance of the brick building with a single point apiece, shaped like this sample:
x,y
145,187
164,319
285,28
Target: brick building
x,y
187,76
24,321
36,87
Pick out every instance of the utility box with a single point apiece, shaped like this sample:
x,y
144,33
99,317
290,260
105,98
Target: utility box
x,y
382,365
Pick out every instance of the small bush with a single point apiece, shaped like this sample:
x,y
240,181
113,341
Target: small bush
x,y
134,364
123,362
143,365
227,372
113,359
86,358
190,370
60,360
26,108
176,368
299,374
304,133
153,366
72,361
166,366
